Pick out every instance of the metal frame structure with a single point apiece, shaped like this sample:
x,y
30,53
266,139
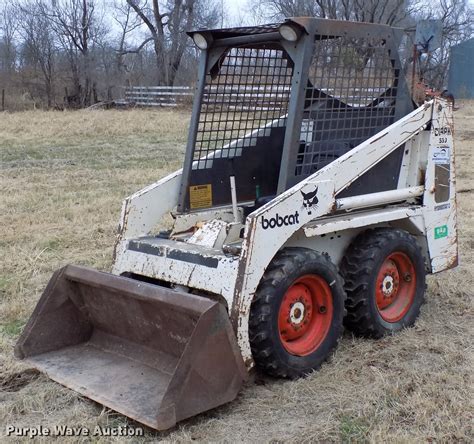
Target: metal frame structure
x,y
378,39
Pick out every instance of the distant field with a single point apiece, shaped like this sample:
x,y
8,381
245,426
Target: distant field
x,y
63,176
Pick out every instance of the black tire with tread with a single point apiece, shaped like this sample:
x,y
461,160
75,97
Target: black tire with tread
x,y
268,352
359,269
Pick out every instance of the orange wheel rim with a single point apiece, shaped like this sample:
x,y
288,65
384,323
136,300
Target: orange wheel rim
x,y
395,287
305,315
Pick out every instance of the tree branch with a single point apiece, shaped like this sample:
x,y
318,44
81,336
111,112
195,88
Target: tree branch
x,y
144,18
139,48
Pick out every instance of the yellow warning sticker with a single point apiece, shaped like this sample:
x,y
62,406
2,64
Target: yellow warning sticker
x,y
200,196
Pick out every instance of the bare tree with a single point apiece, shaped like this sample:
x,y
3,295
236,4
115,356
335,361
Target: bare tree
x,y
49,45
166,24
391,12
78,27
38,48
128,22
8,30
457,17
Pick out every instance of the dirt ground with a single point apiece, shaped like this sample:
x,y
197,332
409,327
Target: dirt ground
x,y
63,177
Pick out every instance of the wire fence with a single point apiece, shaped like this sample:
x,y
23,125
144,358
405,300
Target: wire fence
x,y
160,96
272,96
261,98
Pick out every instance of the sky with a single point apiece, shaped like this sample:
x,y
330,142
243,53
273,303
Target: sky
x,y
235,10
233,6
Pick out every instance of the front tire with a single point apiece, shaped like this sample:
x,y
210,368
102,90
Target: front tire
x,y
385,281
297,313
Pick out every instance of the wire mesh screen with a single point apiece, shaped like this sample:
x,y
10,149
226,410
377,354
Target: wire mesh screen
x,y
246,98
350,96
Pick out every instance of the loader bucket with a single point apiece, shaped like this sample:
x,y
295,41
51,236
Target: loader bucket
x,y
151,353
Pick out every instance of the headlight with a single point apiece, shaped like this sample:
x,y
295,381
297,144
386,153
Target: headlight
x,y
202,41
290,32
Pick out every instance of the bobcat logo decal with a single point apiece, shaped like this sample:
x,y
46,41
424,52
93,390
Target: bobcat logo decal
x,y
310,200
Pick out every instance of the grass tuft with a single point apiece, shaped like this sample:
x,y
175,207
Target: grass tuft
x,y
353,430
12,328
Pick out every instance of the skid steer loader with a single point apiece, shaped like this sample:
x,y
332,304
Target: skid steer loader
x,y
315,194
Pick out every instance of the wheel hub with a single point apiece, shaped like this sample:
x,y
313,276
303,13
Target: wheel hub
x,y
395,287
297,308
305,315
388,285
297,313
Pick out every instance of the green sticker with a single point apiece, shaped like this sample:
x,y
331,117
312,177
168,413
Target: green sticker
x,y
441,231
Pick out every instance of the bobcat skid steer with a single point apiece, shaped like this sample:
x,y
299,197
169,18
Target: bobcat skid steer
x,y
314,195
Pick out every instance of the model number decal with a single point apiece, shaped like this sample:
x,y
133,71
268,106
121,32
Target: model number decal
x,y
442,131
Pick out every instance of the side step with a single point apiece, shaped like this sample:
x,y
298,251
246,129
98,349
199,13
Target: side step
x,y
151,353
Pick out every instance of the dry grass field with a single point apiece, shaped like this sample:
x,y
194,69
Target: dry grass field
x,y
63,176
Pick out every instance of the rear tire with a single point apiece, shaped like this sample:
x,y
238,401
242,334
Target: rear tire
x,y
385,281
296,317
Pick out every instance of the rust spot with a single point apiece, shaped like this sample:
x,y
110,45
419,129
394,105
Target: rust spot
x,y
453,262
422,173
249,362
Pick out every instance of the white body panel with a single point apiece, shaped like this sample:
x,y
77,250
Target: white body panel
x,y
440,215
361,219
213,258
219,278
144,209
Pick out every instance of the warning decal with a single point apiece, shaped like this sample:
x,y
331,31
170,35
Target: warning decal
x,y
200,196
